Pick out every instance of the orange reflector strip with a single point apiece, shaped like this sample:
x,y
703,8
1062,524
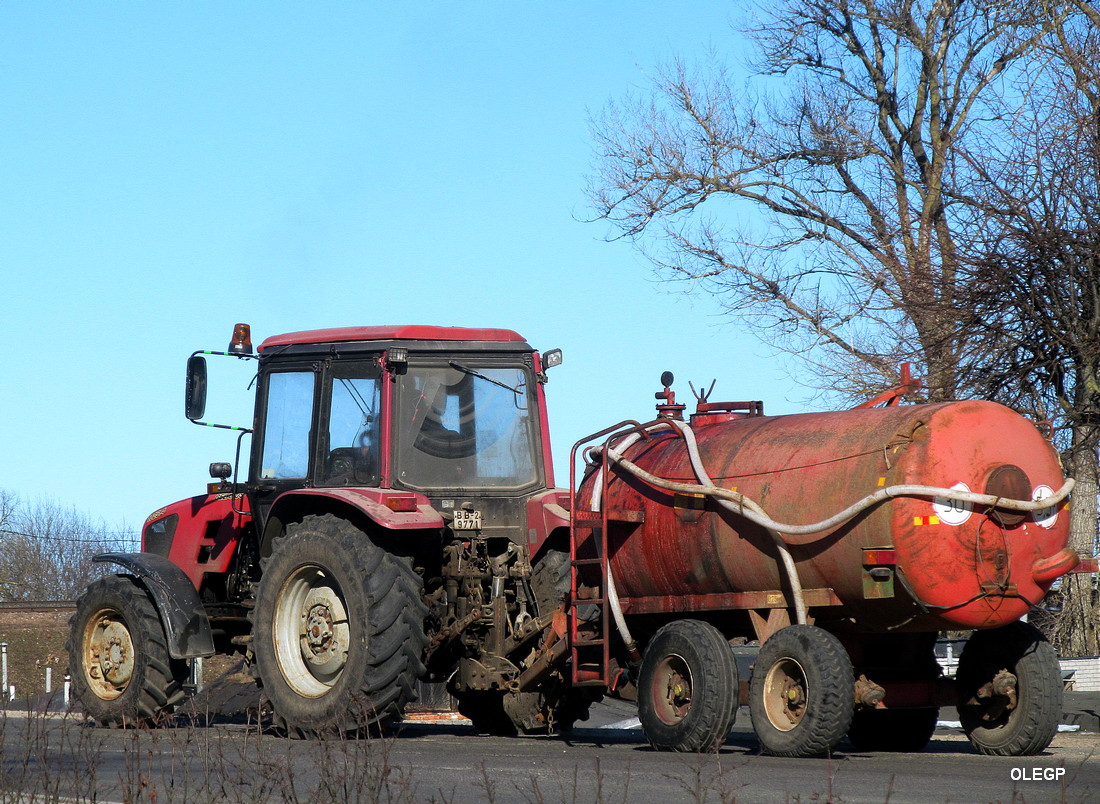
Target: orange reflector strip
x,y
401,505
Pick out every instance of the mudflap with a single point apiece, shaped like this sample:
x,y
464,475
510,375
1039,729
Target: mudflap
x,y
186,625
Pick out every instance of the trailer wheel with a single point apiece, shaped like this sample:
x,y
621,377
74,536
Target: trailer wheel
x,y
119,664
338,629
800,695
688,688
994,722
902,730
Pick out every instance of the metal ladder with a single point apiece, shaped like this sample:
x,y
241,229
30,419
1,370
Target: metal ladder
x,y
590,653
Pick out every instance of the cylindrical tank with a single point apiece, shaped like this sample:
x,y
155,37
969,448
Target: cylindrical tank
x,y
956,566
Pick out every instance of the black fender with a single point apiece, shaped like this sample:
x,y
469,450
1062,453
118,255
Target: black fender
x,y
186,625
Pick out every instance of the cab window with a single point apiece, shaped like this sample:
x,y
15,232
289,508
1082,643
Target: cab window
x,y
351,454
287,425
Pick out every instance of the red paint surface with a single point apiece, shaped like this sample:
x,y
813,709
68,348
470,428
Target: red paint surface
x,y
207,533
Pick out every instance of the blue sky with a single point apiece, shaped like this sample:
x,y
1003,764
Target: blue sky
x,y
169,169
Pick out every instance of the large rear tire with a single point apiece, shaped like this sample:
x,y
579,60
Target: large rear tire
x,y
688,688
119,664
801,695
994,725
338,630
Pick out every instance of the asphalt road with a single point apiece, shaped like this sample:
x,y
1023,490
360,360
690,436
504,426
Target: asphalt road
x,y
59,759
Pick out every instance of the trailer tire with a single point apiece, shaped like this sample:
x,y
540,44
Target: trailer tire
x,y
338,630
904,658
119,664
801,695
900,730
1028,728
688,689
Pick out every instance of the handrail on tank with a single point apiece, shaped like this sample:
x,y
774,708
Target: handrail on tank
x,y
631,427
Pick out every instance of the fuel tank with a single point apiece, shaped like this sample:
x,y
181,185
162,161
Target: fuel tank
x,y
940,564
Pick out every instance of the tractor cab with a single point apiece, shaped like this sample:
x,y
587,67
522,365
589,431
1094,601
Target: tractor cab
x,y
433,423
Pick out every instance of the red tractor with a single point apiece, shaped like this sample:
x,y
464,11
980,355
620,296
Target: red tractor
x,y
398,522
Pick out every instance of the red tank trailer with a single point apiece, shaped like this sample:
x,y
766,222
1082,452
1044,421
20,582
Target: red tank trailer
x,y
872,529
947,565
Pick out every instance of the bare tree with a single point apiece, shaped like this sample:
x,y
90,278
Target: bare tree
x,y
1035,283
46,550
920,183
848,166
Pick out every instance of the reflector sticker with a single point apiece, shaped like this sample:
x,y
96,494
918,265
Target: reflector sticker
x,y
926,520
952,512
1044,517
691,501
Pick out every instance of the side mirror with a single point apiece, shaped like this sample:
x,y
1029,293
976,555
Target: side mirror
x,y
195,403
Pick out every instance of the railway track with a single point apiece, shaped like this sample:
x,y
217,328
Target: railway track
x,y
39,606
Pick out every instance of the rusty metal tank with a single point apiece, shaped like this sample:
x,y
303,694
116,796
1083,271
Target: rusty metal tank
x,y
941,564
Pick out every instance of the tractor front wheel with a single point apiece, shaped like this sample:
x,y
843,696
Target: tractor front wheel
x,y
119,664
338,629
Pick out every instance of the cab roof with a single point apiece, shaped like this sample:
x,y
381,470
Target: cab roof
x,y
407,332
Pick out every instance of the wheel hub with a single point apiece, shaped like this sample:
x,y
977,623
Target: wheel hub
x,y
320,644
785,694
312,634
672,696
108,655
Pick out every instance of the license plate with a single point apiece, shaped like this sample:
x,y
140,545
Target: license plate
x,y
467,520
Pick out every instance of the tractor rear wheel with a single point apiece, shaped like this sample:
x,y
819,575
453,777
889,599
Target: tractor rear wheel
x,y
119,664
338,629
801,695
688,688
1010,691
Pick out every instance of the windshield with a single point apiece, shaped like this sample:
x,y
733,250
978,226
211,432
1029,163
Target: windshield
x,y
463,425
